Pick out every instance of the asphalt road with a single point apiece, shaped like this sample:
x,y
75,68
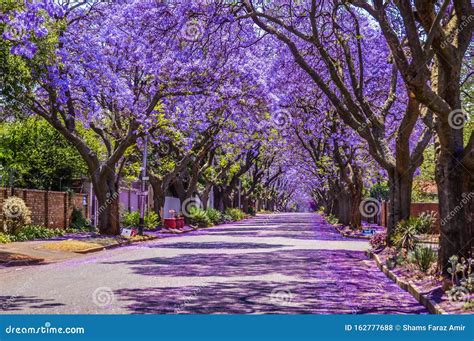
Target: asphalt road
x,y
282,263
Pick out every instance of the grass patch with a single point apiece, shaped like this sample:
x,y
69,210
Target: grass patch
x,y
70,245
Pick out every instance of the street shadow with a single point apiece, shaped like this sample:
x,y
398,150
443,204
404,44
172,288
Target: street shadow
x,y
217,245
257,297
320,281
18,303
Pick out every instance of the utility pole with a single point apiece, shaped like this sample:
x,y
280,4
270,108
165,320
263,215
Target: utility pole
x,y
240,188
144,188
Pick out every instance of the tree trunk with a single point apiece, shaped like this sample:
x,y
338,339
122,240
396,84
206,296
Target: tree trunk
x,y
355,214
158,196
218,198
227,198
456,195
106,191
455,191
343,211
400,198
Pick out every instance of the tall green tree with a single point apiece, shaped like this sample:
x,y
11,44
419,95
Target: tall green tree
x,y
37,156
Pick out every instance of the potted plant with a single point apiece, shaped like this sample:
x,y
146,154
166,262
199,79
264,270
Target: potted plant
x,y
180,221
170,223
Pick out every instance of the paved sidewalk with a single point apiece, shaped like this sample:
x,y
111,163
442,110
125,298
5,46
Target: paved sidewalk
x,y
282,263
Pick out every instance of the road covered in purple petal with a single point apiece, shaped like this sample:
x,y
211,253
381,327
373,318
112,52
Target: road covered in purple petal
x,y
285,263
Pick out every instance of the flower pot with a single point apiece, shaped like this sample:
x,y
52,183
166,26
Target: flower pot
x,y
170,223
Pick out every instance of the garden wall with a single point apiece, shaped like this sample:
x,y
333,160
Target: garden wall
x,y
416,209
49,208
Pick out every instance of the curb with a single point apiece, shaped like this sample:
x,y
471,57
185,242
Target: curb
x,y
409,286
20,262
106,247
350,236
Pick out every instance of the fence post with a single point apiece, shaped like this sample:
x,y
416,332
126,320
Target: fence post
x,y
46,208
66,209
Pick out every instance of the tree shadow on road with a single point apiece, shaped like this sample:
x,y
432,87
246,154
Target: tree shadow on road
x,y
18,303
318,282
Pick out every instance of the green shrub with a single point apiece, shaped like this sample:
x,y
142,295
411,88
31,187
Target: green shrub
x,y
215,216
15,215
320,211
405,235
78,221
380,191
235,214
425,221
331,219
423,257
131,219
31,232
199,217
151,220
226,219
4,238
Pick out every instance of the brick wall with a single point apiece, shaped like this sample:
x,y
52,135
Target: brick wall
x,y
416,209
49,208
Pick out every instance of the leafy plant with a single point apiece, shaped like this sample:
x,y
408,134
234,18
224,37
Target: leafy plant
x,y
15,215
215,216
380,191
131,219
4,238
423,257
462,272
331,219
235,213
425,221
468,305
151,220
199,217
31,232
405,235
378,240
78,221
226,219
